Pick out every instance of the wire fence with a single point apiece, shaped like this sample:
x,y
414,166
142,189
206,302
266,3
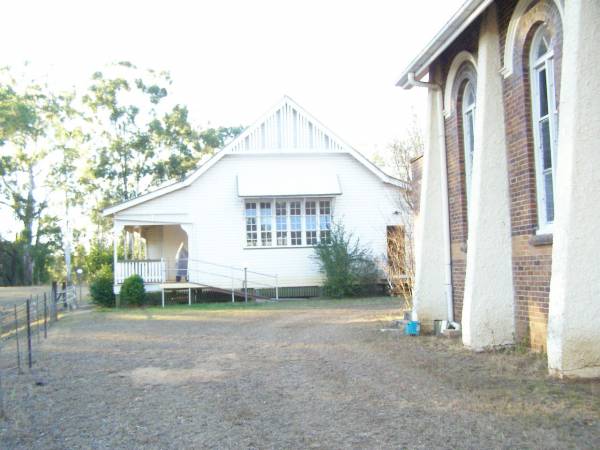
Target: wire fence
x,y
24,325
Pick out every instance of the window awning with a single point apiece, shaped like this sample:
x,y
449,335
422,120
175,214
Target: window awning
x,y
290,185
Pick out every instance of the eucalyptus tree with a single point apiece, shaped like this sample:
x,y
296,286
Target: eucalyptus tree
x,y
65,174
139,137
26,112
120,125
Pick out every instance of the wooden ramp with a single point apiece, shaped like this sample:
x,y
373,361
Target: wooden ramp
x,y
189,286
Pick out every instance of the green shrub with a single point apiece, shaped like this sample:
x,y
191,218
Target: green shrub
x,y
133,292
101,288
349,268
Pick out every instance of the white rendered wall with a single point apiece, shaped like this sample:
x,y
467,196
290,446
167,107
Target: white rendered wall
x,y
430,301
212,204
488,309
574,312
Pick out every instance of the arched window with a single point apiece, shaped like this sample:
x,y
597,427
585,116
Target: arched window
x,y
545,124
468,120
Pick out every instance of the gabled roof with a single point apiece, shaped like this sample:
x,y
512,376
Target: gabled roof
x,y
467,13
285,128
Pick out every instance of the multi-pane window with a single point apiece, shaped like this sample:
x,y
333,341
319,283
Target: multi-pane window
x,y
310,211
545,124
251,225
281,222
293,222
266,224
325,220
468,121
296,222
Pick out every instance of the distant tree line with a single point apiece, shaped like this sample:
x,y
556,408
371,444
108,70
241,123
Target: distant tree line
x,y
65,151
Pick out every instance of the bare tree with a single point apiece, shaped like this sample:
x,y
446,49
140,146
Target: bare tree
x,y
399,264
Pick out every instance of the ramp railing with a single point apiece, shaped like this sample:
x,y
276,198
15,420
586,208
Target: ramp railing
x,y
224,277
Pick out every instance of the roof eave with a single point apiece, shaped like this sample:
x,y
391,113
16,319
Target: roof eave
x,y
467,13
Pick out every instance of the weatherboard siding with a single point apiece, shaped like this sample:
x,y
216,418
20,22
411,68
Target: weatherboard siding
x,y
217,234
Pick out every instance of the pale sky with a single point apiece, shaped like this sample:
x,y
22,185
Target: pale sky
x,y
231,60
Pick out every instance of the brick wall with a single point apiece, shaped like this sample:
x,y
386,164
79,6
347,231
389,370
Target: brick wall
x,y
455,159
532,257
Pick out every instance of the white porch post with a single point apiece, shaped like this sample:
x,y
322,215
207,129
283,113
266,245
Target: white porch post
x,y
573,329
430,302
488,307
115,247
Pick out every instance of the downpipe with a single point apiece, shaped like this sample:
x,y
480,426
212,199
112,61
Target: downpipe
x,y
450,323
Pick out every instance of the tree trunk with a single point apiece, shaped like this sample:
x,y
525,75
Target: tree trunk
x,y
28,231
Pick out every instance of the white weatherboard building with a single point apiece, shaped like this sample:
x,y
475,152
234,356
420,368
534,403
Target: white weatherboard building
x,y
260,203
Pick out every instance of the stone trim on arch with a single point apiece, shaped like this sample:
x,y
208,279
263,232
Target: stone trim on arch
x,y
515,35
464,66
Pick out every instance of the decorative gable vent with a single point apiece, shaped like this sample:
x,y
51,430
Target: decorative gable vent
x,y
287,127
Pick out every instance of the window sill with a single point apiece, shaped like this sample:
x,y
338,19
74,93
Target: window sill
x,y
539,240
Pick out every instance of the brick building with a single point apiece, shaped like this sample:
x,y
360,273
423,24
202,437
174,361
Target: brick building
x,y
507,242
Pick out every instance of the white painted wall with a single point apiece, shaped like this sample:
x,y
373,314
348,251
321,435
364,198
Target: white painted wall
x,y
213,206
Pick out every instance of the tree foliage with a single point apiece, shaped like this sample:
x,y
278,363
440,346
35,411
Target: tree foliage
x,y
29,117
140,139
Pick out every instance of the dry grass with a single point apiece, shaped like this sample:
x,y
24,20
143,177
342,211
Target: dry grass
x,y
10,295
290,375
17,294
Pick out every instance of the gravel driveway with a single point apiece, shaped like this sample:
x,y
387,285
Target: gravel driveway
x,y
294,375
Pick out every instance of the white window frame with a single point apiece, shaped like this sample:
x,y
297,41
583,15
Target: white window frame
x,y
259,211
256,231
314,230
289,207
545,62
287,230
468,152
273,201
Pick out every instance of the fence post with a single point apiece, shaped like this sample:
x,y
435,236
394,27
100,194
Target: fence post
x,y
246,284
17,337
64,291
276,287
54,302
37,316
29,356
45,317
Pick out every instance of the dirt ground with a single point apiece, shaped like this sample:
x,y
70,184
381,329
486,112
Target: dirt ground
x,y
290,375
